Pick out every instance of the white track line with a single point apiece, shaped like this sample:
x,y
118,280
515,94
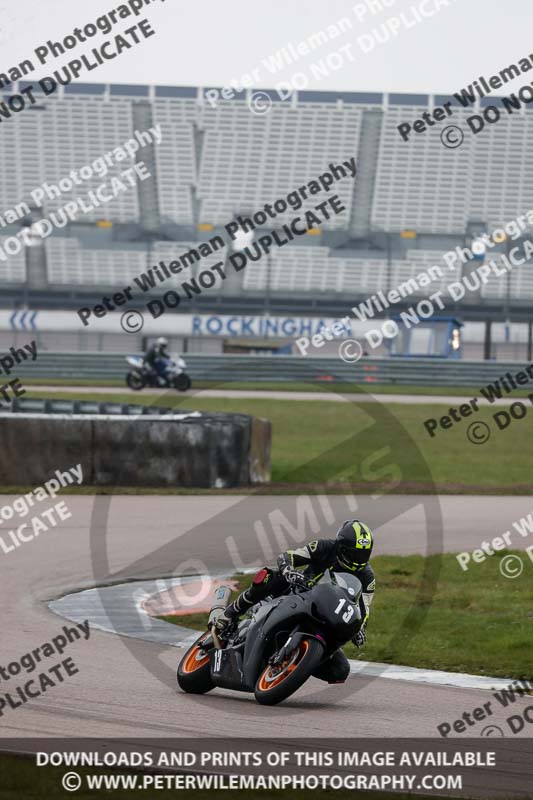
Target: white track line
x,y
263,394
131,619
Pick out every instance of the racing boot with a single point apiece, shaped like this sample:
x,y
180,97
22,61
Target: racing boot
x,y
229,618
226,623
257,591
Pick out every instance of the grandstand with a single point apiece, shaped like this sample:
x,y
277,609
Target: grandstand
x,y
411,201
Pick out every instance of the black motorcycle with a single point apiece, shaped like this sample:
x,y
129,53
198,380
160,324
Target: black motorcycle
x,y
273,652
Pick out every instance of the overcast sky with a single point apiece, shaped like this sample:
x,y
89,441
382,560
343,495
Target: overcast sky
x,y
209,42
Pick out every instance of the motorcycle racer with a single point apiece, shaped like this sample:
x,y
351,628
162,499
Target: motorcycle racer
x,y
156,357
350,551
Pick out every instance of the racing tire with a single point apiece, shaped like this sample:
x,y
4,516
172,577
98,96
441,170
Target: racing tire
x,y
182,382
273,685
135,380
194,670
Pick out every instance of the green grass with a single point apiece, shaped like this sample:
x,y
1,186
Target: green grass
x,y
332,446
477,621
21,779
72,382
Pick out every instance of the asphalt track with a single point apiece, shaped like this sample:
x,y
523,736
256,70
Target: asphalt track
x,y
125,687
258,394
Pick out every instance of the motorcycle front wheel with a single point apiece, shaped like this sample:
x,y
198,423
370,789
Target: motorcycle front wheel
x,y
182,382
194,670
277,683
135,380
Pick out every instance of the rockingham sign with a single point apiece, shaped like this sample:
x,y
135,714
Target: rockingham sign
x,y
216,325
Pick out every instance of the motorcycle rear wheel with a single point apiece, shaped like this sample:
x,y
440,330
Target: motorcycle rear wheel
x,y
276,684
194,670
135,380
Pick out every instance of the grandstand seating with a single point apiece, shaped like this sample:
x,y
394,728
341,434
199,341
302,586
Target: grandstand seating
x,y
249,160
313,269
232,160
216,162
176,158
420,184
65,134
296,270
501,177
71,263
13,270
519,282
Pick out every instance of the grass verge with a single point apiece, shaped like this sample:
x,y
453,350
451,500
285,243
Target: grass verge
x,y
476,622
307,450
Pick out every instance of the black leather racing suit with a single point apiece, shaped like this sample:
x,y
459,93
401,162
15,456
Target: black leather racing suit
x,y
155,357
319,557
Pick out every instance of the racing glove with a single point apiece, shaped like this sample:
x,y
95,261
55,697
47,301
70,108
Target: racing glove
x,y
360,638
291,575
294,577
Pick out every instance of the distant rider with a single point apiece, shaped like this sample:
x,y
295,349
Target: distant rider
x,y
156,358
350,551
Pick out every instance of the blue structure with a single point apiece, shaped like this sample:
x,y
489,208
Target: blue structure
x,y
438,337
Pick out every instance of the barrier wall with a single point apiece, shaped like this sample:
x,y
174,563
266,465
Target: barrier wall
x,y
189,449
224,369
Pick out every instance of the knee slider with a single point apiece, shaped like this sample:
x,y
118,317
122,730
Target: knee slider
x,y
263,576
344,672
340,673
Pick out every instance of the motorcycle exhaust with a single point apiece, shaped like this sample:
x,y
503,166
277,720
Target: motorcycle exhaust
x,y
222,596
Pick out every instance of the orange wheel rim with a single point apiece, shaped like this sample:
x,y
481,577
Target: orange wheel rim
x,y
270,678
194,660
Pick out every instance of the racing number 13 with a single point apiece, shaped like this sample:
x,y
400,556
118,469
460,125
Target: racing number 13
x,y
348,614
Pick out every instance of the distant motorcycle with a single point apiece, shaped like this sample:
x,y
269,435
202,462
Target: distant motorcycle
x,y
141,375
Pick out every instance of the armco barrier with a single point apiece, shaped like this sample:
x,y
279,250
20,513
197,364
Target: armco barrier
x,y
230,368
130,447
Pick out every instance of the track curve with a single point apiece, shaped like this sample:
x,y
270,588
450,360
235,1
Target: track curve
x,y
115,695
